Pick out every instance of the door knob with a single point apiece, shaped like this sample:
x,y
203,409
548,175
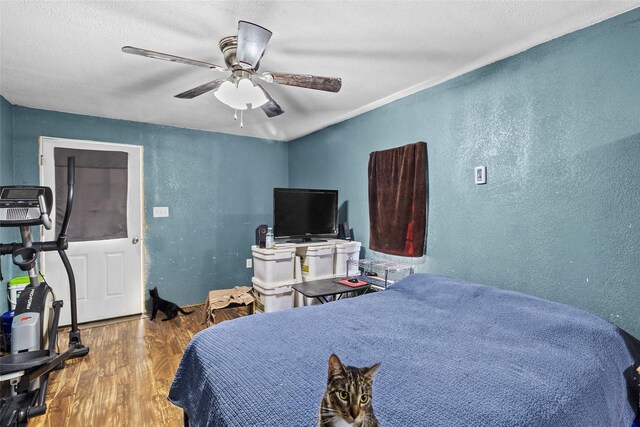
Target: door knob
x,y
135,240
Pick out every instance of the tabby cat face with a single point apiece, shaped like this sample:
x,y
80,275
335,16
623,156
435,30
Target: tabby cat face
x,y
349,392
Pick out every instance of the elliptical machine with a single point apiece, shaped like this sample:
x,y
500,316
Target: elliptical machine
x,y
34,331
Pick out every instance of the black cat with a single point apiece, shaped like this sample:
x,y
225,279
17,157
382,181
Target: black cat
x,y
167,307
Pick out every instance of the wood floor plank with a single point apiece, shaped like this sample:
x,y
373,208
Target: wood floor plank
x,y
126,377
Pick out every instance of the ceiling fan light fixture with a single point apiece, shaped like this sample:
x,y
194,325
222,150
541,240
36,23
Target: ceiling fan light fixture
x,y
241,95
250,93
226,95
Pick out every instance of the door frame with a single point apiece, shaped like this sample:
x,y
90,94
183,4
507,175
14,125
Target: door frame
x,y
78,144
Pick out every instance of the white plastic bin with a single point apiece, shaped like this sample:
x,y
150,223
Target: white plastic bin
x,y
346,251
302,301
317,262
270,297
273,266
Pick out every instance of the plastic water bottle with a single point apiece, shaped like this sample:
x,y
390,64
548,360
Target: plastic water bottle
x,y
269,241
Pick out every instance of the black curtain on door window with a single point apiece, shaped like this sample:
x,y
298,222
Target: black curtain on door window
x,y
100,197
398,187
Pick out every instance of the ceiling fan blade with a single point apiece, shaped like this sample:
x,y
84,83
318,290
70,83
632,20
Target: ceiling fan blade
x,y
271,107
329,84
197,91
166,57
252,41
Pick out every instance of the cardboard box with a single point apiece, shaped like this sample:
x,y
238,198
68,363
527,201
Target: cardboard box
x,y
228,304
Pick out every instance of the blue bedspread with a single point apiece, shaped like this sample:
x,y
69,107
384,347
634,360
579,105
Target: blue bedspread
x,y
453,354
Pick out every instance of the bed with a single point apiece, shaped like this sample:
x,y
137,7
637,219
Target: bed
x,y
452,353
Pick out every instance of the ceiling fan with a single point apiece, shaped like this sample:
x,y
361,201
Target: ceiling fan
x,y
242,54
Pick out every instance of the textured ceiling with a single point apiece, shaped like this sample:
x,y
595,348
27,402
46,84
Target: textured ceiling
x,y
66,56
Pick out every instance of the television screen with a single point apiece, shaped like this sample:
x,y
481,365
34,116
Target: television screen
x,y
305,213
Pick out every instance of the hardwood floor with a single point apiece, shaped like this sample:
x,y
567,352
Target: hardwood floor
x,y
125,378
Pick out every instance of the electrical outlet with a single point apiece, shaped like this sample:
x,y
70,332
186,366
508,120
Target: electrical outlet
x,y
160,212
249,263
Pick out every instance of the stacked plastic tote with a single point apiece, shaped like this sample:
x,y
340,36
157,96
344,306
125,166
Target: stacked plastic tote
x,y
277,270
273,278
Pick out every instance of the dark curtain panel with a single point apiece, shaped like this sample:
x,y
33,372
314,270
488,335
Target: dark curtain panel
x,y
398,189
100,197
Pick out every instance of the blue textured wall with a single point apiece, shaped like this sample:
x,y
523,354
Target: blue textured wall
x,y
6,178
558,128
218,189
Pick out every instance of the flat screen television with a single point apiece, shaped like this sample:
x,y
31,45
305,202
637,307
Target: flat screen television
x,y
305,214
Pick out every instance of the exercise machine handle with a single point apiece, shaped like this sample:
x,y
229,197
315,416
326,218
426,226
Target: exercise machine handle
x,y
44,217
71,176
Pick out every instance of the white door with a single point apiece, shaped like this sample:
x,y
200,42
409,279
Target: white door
x,y
105,230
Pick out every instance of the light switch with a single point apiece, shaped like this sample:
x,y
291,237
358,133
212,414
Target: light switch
x,y
160,212
480,174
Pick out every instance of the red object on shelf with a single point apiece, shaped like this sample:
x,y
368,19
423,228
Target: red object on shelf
x,y
353,285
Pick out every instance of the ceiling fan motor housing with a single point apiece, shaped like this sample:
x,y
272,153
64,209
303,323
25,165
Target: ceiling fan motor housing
x,y
229,47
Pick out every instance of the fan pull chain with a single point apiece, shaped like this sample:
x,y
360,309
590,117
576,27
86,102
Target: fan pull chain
x,y
235,117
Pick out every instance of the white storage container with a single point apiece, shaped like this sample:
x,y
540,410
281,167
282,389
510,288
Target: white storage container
x,y
273,266
317,262
270,298
346,251
302,301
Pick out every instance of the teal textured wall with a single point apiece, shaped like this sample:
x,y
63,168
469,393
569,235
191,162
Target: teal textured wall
x,y
558,127
6,178
218,189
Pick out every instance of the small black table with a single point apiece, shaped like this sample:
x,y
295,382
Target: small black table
x,y
322,289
